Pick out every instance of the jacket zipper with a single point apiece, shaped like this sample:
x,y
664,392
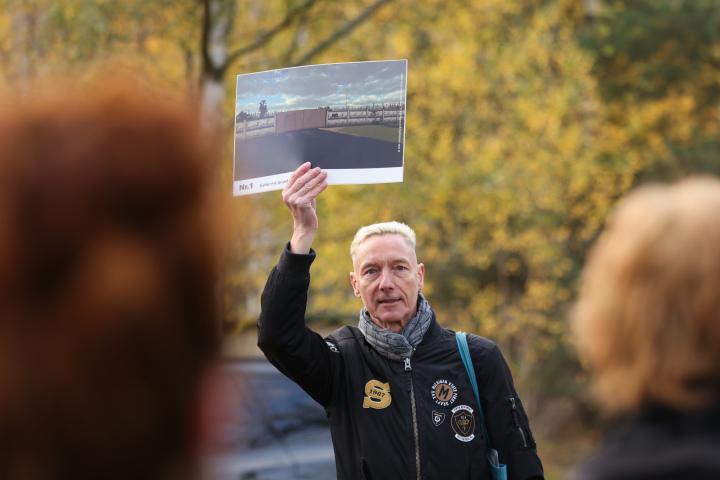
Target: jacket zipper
x,y
512,400
408,369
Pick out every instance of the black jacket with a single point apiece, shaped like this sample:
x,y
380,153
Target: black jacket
x,y
391,419
659,444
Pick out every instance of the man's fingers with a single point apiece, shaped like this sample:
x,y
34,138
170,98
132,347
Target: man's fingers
x,y
299,178
321,186
304,183
301,170
309,187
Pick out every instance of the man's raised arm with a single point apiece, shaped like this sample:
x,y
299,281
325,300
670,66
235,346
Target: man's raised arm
x,y
295,350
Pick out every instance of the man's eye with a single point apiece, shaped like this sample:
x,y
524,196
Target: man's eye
x,y
371,271
400,267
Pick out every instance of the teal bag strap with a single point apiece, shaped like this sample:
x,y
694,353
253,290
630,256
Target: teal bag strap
x,y
497,469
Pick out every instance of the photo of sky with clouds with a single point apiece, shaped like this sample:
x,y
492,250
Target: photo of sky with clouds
x,y
316,86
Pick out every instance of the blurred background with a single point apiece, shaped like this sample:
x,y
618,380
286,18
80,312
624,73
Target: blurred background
x,y
526,121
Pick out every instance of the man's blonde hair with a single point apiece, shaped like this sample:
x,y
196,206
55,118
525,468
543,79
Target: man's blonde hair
x,y
382,229
648,318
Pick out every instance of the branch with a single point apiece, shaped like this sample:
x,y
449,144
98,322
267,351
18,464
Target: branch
x,y
293,48
267,36
341,32
205,38
231,18
714,62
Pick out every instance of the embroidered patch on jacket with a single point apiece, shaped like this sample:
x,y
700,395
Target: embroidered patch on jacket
x,y
332,347
444,393
438,417
378,394
463,423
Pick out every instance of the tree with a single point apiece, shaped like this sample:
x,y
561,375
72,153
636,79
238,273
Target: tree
x,y
527,121
657,66
263,108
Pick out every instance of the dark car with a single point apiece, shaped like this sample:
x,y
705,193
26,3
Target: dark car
x,y
272,429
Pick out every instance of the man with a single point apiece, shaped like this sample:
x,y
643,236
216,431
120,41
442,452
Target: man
x,y
396,392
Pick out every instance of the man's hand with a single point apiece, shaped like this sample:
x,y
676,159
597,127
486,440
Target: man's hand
x,y
299,195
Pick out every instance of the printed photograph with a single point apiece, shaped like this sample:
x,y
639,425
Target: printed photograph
x,y
347,118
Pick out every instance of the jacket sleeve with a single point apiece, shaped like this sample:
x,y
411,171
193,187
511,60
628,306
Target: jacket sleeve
x,y
298,352
506,421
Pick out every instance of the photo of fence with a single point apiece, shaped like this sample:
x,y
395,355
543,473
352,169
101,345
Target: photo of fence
x,y
340,117
282,122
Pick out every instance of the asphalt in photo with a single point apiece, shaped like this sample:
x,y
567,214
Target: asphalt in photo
x,y
275,154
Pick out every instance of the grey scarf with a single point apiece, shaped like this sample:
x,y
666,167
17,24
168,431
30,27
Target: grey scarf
x,y
397,346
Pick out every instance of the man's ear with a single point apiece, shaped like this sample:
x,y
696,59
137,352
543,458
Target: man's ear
x,y
421,277
353,282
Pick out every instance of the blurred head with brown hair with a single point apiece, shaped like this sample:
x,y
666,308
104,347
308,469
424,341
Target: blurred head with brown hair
x,y
648,318
106,285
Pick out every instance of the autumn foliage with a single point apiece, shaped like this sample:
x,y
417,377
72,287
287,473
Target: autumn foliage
x,y
527,121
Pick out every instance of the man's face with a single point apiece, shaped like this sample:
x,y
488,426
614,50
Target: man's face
x,y
388,279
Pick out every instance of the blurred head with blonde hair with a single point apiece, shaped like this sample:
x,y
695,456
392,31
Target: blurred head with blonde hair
x,y
107,318
648,317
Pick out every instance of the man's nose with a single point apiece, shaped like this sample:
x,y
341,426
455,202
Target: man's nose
x,y
386,280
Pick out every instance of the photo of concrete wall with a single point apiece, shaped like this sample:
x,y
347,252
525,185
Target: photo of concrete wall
x,y
347,116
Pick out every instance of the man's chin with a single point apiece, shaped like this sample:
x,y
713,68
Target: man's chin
x,y
394,324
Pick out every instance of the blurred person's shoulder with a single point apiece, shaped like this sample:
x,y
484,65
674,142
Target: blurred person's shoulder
x,y
659,444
